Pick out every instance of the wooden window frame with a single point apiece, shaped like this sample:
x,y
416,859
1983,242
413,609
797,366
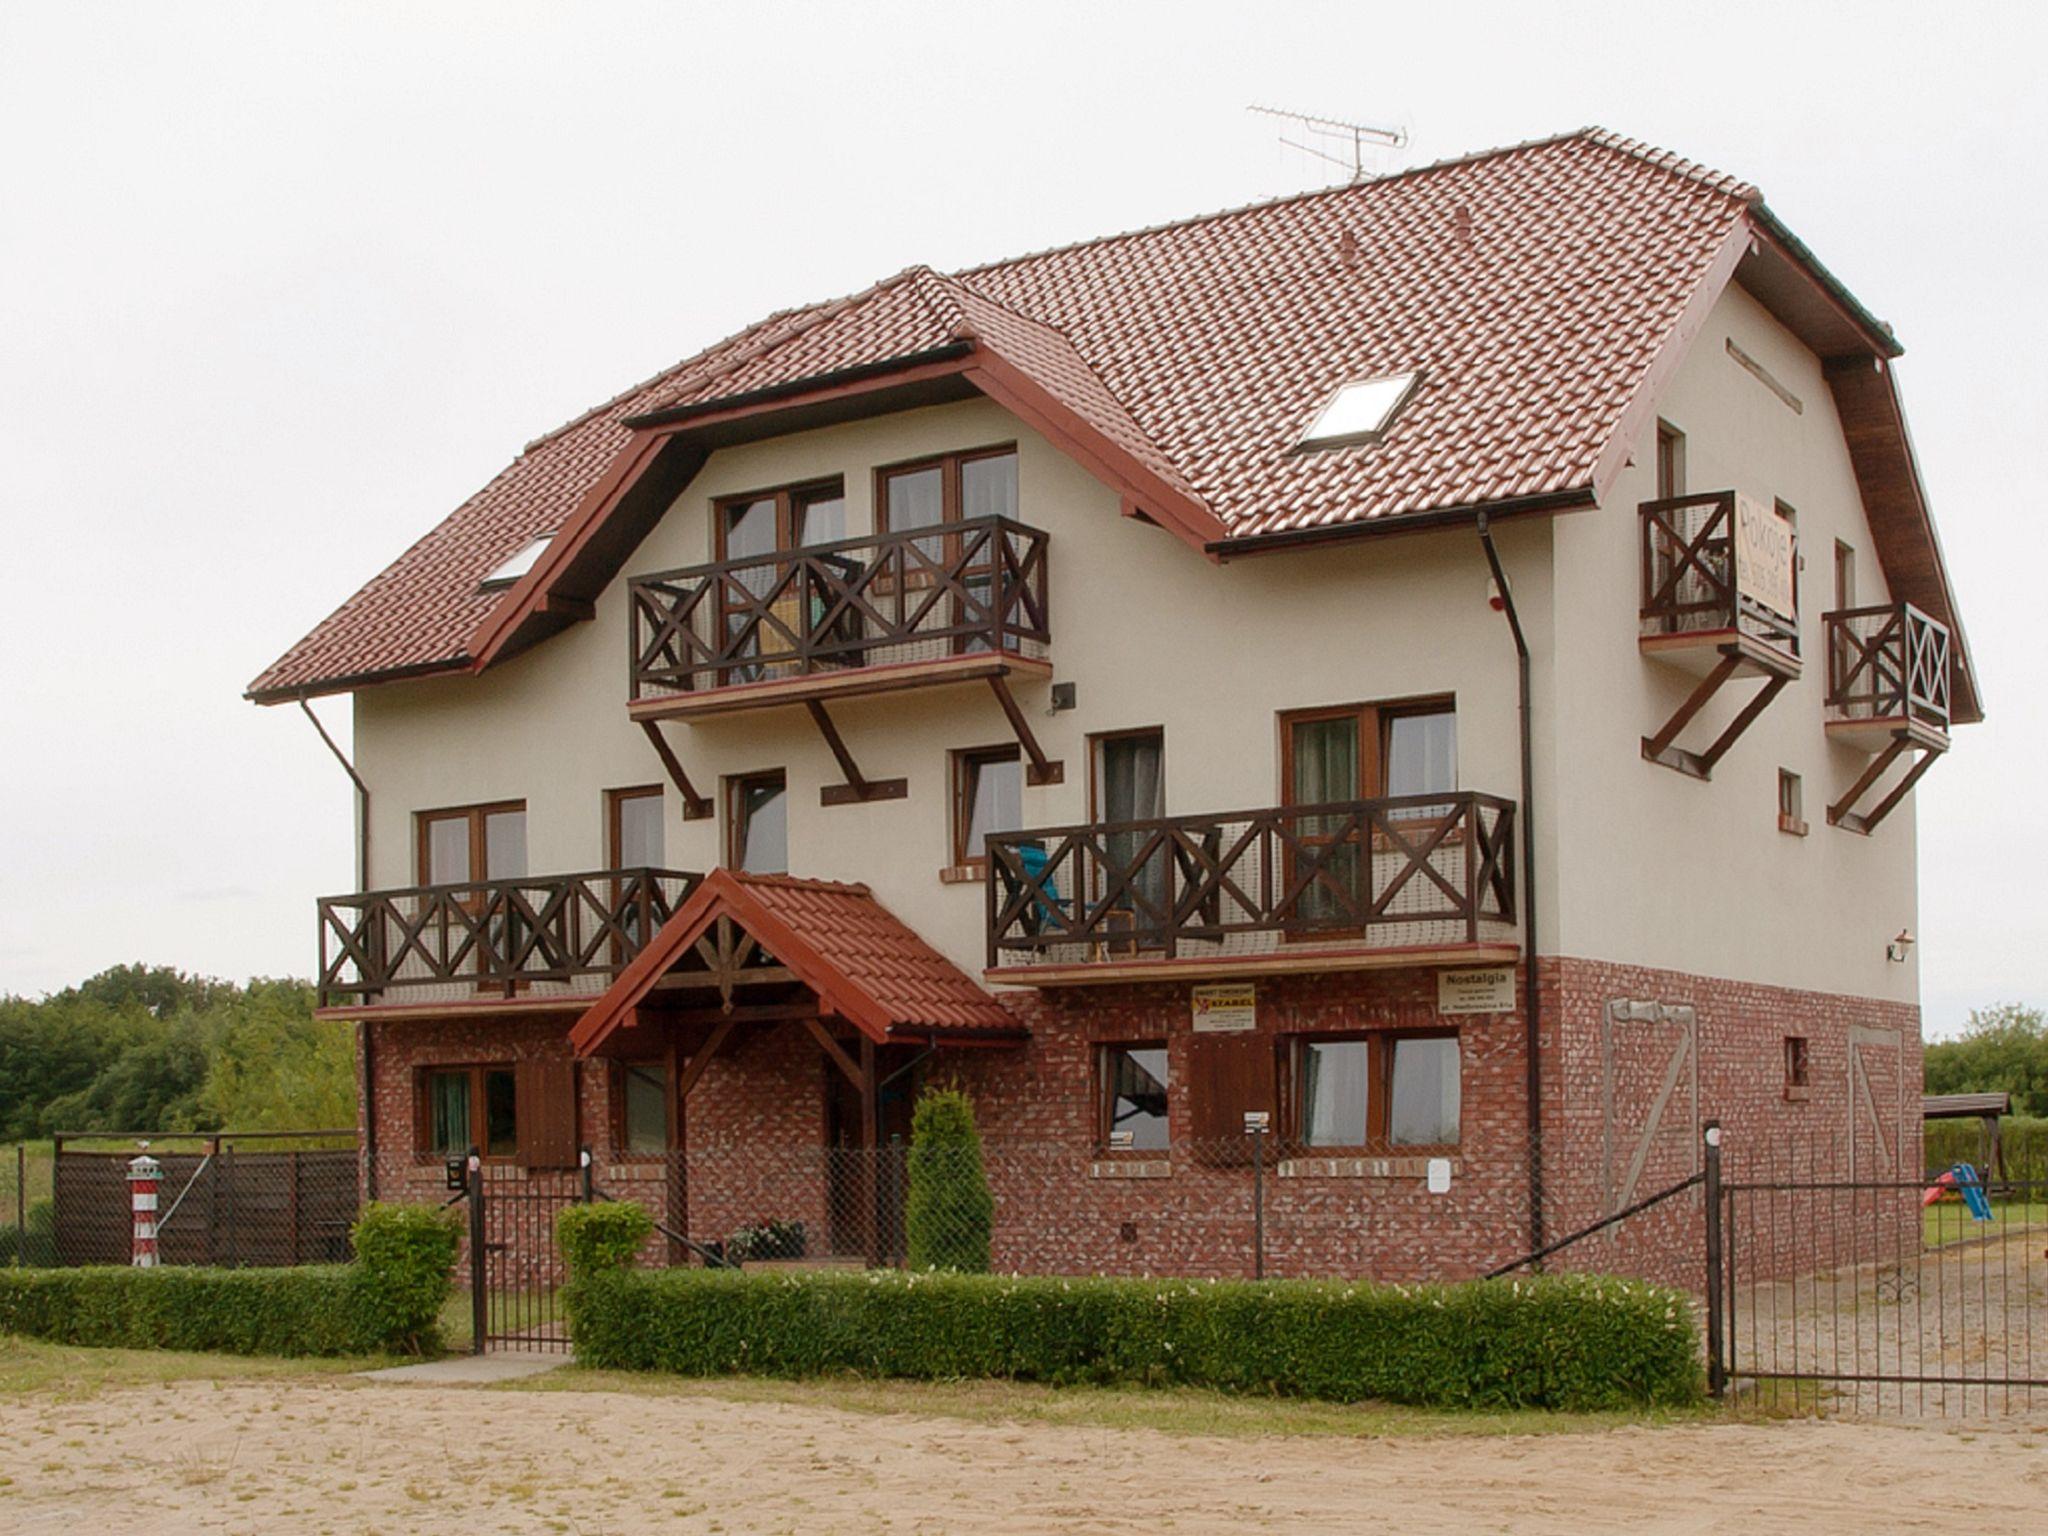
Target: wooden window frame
x,y
1105,1095
1375,720
1798,1068
1845,567
614,839
1379,1093
961,762
423,1108
786,498
620,1068
1096,741
1792,806
951,501
735,784
478,851
1668,469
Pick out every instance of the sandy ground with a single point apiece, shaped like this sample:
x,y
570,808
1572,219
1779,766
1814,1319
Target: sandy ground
x,y
351,1457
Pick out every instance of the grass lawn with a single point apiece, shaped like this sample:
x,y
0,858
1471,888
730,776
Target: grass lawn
x,y
64,1372
1949,1221
1176,1411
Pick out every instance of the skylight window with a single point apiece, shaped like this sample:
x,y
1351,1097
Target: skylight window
x,y
1359,413
518,565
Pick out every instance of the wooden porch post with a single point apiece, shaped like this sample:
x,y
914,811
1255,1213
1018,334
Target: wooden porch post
x,y
870,1136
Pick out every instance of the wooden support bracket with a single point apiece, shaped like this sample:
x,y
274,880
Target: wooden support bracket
x,y
1041,769
858,788
696,807
1662,748
1842,813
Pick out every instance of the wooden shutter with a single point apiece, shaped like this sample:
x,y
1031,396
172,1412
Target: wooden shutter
x,y
422,1111
1228,1075
545,1104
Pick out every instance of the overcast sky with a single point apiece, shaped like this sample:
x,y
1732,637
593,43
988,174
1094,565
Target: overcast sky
x,y
282,284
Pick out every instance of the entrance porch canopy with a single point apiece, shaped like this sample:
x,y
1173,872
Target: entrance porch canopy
x,y
737,932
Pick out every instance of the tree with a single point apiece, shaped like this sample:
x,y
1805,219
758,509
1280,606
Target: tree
x,y
2002,1048
950,1210
274,1067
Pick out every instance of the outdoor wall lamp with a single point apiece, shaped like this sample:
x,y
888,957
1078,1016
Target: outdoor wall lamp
x,y
1896,951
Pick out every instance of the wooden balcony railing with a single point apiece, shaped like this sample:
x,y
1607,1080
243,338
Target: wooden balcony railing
x,y
1719,563
1888,663
922,595
1413,870
538,936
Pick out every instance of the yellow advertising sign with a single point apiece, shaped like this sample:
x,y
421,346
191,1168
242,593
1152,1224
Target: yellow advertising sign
x,y
1228,1008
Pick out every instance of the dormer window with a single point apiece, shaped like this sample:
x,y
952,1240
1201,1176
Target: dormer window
x,y
1359,412
509,571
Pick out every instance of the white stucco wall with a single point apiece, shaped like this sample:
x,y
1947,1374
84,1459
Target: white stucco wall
x,y
1637,863
1151,633
1661,869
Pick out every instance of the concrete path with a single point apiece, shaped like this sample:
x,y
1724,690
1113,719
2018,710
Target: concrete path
x,y
459,1370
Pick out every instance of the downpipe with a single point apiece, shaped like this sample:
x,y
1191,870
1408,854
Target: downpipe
x,y
1532,992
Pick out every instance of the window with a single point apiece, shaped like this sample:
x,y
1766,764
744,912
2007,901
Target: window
x,y
470,844
1423,1091
1796,1067
1376,1092
794,517
511,569
757,823
641,1108
1134,1082
1670,461
988,796
980,483
1334,1075
633,829
1845,576
1127,783
466,1107
1359,752
1791,803
1360,412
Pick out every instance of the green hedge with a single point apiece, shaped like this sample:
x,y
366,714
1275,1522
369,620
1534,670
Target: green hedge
x,y
1949,1142
1574,1342
387,1302
596,1237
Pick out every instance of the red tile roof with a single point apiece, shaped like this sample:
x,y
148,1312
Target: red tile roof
x,y
1532,287
861,960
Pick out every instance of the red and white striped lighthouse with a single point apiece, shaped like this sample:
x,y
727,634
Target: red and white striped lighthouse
x,y
145,1175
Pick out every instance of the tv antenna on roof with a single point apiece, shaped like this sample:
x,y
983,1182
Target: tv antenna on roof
x,y
1339,135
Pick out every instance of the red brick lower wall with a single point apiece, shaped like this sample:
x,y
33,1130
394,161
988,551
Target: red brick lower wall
x,y
1635,1061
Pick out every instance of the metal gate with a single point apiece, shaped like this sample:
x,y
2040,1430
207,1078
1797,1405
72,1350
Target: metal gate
x,y
515,1266
1844,1288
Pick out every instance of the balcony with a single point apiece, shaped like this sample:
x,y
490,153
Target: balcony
x,y
1410,880
538,941
1888,672
1719,585
936,604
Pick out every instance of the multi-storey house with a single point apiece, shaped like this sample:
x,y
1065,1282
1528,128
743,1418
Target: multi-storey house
x,y
1431,670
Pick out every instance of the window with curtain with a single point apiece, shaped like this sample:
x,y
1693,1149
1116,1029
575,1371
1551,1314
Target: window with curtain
x,y
471,1106
1129,784
1335,1075
757,824
634,835
988,796
1325,765
467,844
1134,1083
1423,1091
1420,754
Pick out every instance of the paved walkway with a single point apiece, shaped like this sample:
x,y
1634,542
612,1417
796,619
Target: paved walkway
x,y
471,1370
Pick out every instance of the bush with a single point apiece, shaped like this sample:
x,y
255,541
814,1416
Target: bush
x,y
2025,1139
387,1302
766,1240
1572,1342
598,1237
949,1213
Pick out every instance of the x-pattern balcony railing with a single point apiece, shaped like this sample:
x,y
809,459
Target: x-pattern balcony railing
x,y
948,589
535,935
1693,578
1399,870
1888,663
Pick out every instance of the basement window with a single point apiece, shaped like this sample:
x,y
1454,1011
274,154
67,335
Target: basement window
x,y
508,571
1359,412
